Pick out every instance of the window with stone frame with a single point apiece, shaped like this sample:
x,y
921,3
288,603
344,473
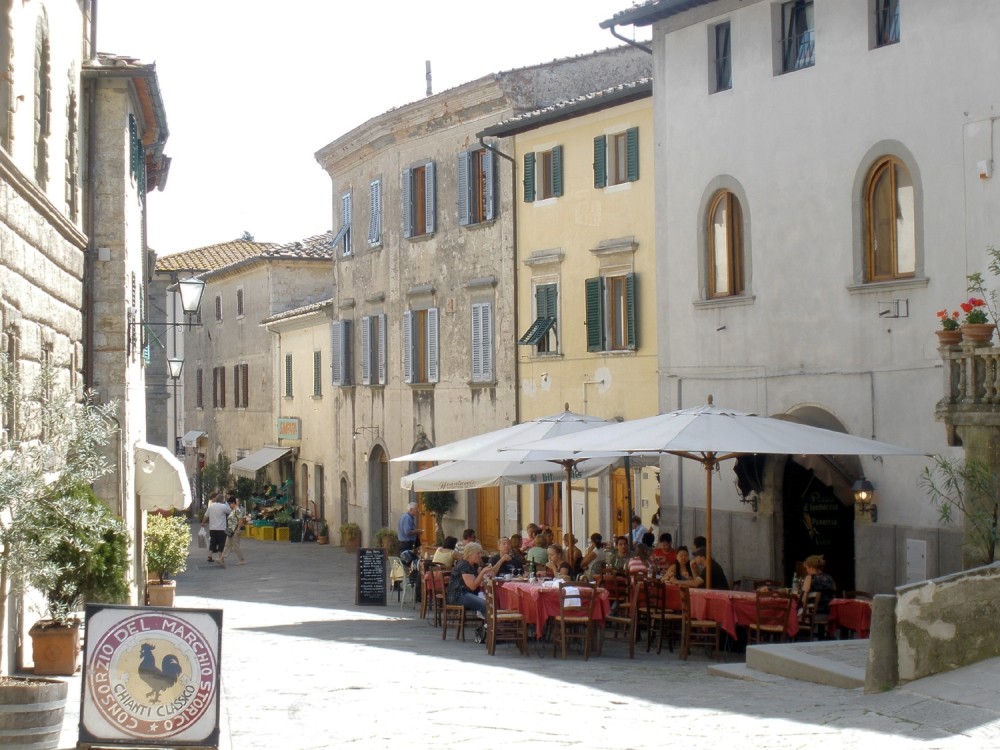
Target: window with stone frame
x,y
543,174
611,312
418,200
724,254
476,186
420,346
890,222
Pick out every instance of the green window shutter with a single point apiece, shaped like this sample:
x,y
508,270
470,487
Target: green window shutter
x,y
600,161
463,188
632,154
529,177
594,297
288,379
557,171
631,330
317,376
407,203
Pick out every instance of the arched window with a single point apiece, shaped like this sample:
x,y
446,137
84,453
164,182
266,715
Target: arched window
x,y
890,236
725,246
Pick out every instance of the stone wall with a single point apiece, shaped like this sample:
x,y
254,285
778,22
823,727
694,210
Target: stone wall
x,y
947,622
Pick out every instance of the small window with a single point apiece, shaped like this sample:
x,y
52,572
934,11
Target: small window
x,y
199,389
611,313
482,342
725,246
288,376
890,221
373,350
420,346
418,200
342,239
543,333
317,374
219,387
340,352
239,303
798,42
885,19
616,158
375,214
543,174
218,308
723,68
476,187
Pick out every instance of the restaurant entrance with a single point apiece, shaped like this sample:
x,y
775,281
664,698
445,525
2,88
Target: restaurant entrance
x,y
816,522
488,516
621,513
550,508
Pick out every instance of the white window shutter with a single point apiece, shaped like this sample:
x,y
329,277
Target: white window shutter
x,y
336,358
375,214
432,345
381,349
345,221
366,350
463,188
489,180
486,343
346,347
431,210
407,203
407,347
477,342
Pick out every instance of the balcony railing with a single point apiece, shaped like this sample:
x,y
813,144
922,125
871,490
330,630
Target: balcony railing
x,y
971,387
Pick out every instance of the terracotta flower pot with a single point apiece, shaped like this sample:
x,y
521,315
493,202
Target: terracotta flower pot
x,y
980,334
55,649
161,593
949,338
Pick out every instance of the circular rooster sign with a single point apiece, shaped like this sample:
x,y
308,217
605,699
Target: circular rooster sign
x,y
152,675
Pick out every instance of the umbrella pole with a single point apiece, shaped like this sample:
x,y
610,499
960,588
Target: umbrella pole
x,y
569,498
628,492
709,465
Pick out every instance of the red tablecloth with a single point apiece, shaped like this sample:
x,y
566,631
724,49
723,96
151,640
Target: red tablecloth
x,y
538,603
853,614
728,608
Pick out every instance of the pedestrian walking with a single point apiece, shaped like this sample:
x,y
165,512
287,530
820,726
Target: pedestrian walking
x,y
215,518
234,530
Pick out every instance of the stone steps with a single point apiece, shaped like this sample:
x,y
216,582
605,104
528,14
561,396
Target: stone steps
x,y
835,663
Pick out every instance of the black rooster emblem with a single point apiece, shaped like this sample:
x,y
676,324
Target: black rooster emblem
x,y
158,678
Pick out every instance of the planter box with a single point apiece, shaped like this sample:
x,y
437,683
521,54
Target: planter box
x,y
31,712
55,650
161,594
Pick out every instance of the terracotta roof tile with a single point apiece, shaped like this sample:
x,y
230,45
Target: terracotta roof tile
x,y
213,257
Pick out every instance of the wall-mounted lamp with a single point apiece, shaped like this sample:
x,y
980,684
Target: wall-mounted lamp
x,y
864,498
191,291
175,366
148,465
752,499
362,428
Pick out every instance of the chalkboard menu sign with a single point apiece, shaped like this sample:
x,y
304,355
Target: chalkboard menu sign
x,y
371,576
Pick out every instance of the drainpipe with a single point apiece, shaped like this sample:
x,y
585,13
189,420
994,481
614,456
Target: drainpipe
x,y
612,28
513,214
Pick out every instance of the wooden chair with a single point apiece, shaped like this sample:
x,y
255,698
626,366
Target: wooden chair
x,y
450,613
622,617
659,620
696,632
426,589
811,622
503,624
435,594
576,617
773,609
766,583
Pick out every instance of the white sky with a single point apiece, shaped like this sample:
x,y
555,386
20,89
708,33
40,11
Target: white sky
x,y
253,89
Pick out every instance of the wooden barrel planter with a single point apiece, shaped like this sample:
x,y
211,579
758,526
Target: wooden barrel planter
x,y
31,712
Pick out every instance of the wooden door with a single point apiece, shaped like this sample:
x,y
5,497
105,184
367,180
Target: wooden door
x,y
488,517
620,511
425,519
550,508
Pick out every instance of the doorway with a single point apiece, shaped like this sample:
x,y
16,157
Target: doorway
x,y
550,508
621,512
378,489
488,516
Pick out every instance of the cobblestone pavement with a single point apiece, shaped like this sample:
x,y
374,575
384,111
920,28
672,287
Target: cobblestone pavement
x,y
303,667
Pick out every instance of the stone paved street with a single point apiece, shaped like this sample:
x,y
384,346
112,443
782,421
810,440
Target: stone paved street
x,y
305,668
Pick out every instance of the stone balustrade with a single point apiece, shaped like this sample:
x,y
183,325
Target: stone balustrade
x,y
971,388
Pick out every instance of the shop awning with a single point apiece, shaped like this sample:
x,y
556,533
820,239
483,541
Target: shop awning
x,y
160,479
249,466
190,439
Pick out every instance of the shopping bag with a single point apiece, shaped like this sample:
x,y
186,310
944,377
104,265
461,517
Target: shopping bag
x,y
202,538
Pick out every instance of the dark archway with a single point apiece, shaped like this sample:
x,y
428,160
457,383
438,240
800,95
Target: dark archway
x,y
378,488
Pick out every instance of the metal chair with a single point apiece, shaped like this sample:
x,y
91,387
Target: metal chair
x,y
773,609
401,583
503,624
576,617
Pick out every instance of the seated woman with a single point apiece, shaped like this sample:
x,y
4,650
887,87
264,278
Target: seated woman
x,y
539,554
515,551
593,562
572,553
467,577
681,573
532,530
445,554
817,580
639,562
556,558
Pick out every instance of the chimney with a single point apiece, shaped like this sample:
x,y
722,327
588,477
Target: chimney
x,y
427,75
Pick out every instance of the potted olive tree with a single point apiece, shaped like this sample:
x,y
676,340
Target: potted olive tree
x,y
387,540
439,503
350,536
167,542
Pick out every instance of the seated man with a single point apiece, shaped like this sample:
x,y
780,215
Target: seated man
x,y
469,535
719,580
503,561
664,554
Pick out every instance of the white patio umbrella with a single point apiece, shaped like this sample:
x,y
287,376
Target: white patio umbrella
x,y
477,461
709,434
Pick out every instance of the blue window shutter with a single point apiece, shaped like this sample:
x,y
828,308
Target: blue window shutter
x,y
407,203
486,342
529,177
464,194
375,215
432,345
345,221
557,171
429,208
632,154
407,347
489,179
631,331
600,161
381,349
336,353
366,350
477,342
347,346
595,314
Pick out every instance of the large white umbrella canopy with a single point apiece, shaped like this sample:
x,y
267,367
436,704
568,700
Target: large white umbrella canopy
x,y
710,434
478,462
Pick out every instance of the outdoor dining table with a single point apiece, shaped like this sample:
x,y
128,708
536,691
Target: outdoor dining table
x,y
851,614
538,602
730,609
